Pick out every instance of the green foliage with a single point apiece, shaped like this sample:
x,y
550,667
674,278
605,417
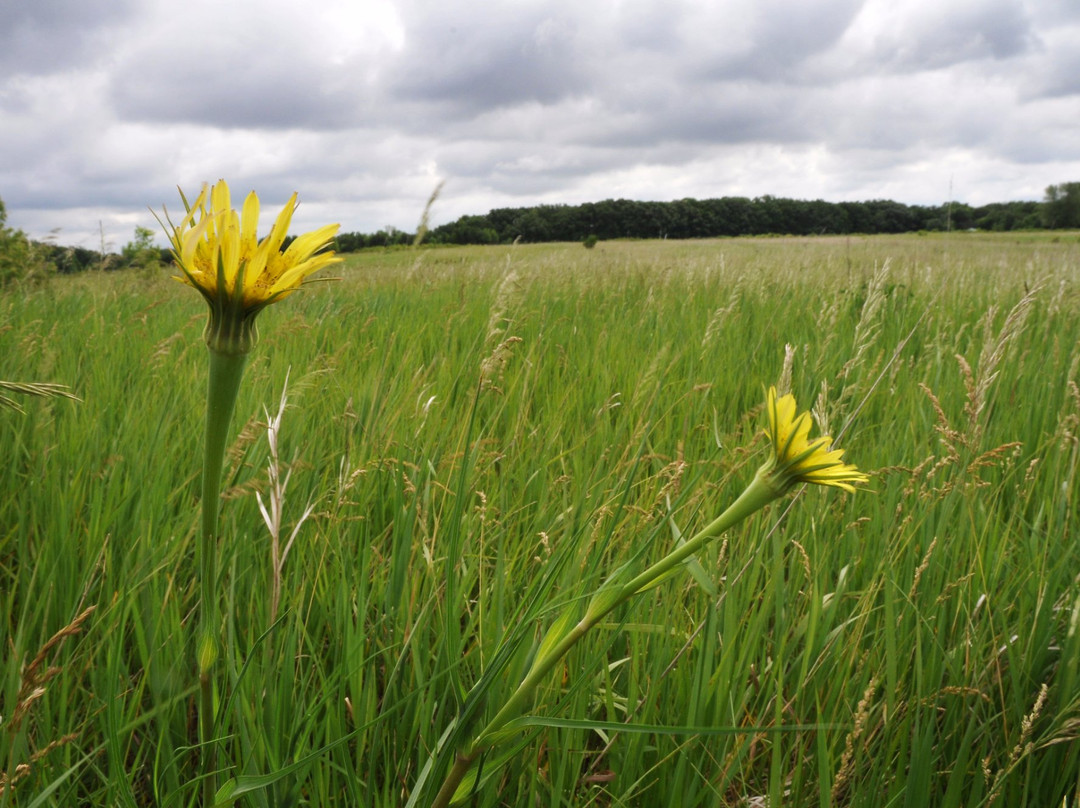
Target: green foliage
x,y
20,260
489,432
1061,206
728,216
1005,216
708,218
389,237
141,252
591,241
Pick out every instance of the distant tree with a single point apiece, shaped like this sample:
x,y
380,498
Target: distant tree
x,y
1061,206
734,215
688,218
729,216
466,230
141,251
74,259
388,237
961,216
532,225
348,242
1001,216
20,259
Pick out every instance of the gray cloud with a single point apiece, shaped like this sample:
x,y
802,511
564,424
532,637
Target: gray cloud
x,y
778,37
490,59
1057,73
49,36
105,107
959,33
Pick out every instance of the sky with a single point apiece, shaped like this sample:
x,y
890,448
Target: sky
x,y
362,107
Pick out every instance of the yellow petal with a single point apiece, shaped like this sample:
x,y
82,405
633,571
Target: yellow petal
x,y
249,223
219,197
228,239
281,226
220,254
797,458
303,247
294,276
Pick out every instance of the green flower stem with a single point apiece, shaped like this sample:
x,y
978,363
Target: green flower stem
x,y
762,490
226,370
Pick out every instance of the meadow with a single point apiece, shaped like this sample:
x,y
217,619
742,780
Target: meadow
x,y
474,438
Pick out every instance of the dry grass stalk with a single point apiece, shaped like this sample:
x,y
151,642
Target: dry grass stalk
x,y
783,384
1068,429
425,217
716,322
820,410
923,565
506,296
673,474
949,436
34,675
993,457
32,687
869,325
272,512
39,389
494,365
249,433
956,443
993,351
847,760
20,772
1023,746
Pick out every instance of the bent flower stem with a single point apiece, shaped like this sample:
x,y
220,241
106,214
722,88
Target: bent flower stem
x,y
793,459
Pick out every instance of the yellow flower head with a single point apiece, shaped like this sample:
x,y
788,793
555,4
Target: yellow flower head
x,y
796,458
219,254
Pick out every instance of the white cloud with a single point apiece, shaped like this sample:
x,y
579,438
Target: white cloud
x,y
362,107
275,65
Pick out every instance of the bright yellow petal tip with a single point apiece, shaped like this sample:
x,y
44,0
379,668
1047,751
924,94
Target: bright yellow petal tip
x,y
219,254
796,458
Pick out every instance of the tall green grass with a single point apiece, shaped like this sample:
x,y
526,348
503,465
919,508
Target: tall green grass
x,y
486,434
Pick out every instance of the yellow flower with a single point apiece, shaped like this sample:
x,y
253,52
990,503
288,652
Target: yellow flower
x,y
219,254
796,458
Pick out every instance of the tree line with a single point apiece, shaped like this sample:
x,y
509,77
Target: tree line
x,y
734,216
20,257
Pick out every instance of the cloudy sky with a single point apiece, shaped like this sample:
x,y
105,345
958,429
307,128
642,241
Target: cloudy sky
x,y
363,106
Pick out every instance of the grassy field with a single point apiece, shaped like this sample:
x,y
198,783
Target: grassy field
x,y
483,434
